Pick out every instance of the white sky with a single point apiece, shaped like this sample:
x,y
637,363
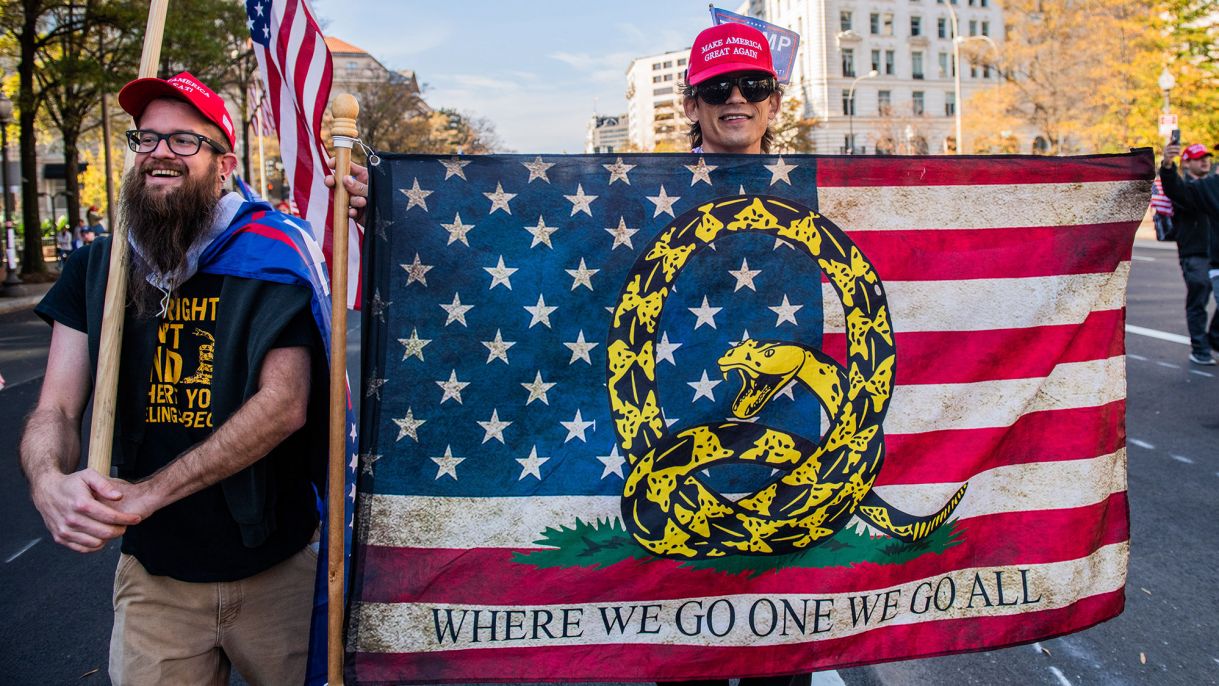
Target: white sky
x,y
536,69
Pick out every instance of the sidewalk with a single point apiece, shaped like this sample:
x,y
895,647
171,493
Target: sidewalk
x,y
23,297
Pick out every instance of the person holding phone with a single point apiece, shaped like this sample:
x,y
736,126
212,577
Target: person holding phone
x,y
1195,199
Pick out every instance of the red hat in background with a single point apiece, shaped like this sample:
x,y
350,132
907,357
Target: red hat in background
x,y
136,95
727,48
1195,152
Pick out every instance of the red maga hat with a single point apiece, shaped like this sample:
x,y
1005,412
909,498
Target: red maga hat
x,y
135,96
728,48
1195,152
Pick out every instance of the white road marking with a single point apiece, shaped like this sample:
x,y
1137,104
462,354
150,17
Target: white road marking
x,y
827,679
21,552
1140,258
1140,358
1199,372
1062,679
1161,335
1141,444
1182,458
1167,364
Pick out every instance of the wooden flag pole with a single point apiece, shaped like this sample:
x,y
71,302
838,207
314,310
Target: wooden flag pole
x,y
343,132
105,393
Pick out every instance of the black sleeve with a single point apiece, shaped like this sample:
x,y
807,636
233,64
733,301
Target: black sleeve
x,y
301,331
1199,195
65,302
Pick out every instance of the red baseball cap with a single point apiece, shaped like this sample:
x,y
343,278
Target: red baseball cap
x,y
727,48
1195,152
135,96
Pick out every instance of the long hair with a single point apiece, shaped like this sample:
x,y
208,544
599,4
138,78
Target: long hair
x,y
696,130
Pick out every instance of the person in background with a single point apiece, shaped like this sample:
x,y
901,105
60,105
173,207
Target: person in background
x,y
1195,216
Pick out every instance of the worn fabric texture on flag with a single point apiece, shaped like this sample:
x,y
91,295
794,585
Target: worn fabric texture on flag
x,y
660,417
296,67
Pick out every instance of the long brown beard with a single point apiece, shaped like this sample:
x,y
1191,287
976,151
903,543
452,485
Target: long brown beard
x,y
165,225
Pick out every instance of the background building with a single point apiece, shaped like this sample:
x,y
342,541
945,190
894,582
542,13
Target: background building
x,y
653,95
606,134
909,106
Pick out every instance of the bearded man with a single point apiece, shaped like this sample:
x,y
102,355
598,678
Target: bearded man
x,y
220,430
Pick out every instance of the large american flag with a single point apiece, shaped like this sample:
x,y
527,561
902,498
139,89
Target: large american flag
x,y
296,67
489,540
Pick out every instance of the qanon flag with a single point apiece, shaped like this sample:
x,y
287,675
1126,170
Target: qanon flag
x,y
660,417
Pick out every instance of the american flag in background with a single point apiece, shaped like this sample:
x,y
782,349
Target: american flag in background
x,y
486,432
262,119
296,67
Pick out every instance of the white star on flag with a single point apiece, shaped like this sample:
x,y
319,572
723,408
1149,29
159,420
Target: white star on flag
x,y
785,312
416,271
580,202
663,202
368,462
494,428
705,313
582,276
457,311
414,345
780,171
577,426
789,390
416,196
500,274
447,464
498,348
613,462
408,425
622,234
457,230
540,312
499,199
452,388
531,465
664,349
744,276
454,167
701,171
537,169
541,233
618,171
704,387
537,389
579,349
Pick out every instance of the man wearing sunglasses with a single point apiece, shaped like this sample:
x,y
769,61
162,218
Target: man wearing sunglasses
x,y
221,402
732,92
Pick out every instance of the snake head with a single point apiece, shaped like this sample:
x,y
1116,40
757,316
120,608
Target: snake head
x,y
765,368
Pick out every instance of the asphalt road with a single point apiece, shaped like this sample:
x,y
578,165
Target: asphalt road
x,y
57,611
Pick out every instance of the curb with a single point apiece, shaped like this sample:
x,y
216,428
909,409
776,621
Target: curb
x,y
30,295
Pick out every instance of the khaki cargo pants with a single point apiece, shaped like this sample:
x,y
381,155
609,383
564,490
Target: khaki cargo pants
x,y
175,632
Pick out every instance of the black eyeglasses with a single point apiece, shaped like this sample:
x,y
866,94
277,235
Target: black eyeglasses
x,y
754,88
181,143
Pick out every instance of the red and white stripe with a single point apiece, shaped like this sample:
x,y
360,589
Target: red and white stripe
x,y
1006,284
297,69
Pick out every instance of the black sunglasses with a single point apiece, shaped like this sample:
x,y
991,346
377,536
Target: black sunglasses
x,y
753,88
181,143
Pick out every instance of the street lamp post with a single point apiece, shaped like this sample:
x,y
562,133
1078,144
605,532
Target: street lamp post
x,y
1166,84
956,74
851,101
10,238
957,40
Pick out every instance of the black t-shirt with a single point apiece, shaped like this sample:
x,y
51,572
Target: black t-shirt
x,y
196,538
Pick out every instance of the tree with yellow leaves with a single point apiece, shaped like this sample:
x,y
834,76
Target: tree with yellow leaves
x,y
1081,74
